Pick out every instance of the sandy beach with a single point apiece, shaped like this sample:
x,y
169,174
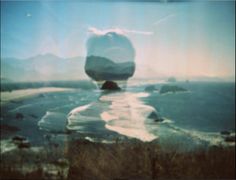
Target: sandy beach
x,y
26,93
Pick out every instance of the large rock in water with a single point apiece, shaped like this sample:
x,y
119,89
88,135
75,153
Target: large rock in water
x,y
110,85
171,89
110,57
155,116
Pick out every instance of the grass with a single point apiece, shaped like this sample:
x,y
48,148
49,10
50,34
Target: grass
x,y
124,160
137,160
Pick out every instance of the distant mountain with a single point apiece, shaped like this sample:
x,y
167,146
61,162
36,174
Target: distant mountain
x,y
43,68
100,68
49,67
207,78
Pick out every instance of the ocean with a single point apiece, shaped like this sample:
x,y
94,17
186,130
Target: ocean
x,y
190,119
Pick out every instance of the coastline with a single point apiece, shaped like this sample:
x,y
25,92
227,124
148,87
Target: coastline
x,y
26,93
103,154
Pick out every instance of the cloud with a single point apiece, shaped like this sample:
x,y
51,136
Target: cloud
x,y
118,31
138,32
113,45
163,19
103,32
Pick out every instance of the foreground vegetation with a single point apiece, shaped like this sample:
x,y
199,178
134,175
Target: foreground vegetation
x,y
81,159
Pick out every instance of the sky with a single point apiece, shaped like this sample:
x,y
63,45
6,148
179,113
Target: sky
x,y
180,38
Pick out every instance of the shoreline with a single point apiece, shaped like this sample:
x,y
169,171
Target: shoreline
x,y
6,97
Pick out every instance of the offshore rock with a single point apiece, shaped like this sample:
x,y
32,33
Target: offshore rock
x,y
110,85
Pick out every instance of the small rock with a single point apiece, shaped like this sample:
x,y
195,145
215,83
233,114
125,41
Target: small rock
x,y
19,116
155,117
230,139
41,95
21,142
18,138
24,144
225,133
159,120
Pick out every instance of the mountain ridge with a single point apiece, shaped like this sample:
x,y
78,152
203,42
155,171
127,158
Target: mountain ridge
x,y
43,67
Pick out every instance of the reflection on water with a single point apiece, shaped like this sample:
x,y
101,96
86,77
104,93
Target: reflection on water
x,y
122,112
127,114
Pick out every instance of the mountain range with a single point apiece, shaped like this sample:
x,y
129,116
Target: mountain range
x,y
100,68
43,68
49,67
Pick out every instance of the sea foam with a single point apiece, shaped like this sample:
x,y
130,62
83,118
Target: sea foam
x,y
53,122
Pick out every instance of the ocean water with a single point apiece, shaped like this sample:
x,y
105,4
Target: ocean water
x,y
192,118
195,117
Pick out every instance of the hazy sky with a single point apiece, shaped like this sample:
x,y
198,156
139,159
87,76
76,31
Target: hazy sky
x,y
185,38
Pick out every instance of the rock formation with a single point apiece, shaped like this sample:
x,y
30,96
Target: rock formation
x,y
171,88
110,85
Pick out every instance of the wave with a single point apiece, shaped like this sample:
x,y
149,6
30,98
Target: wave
x,y
7,145
53,122
212,138
79,109
85,119
174,93
169,132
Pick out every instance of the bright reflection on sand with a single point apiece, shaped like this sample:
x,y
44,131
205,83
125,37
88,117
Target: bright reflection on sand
x,y
127,115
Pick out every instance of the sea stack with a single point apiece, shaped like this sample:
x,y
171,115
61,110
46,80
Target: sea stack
x,y
110,85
